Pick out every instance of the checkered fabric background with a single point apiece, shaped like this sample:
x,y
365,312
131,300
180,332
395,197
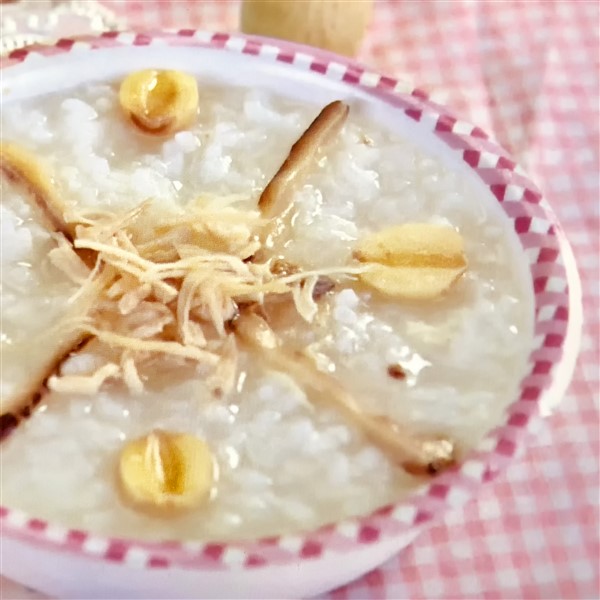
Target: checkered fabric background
x,y
527,72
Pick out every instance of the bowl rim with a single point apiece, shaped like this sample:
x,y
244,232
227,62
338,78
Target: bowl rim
x,y
557,328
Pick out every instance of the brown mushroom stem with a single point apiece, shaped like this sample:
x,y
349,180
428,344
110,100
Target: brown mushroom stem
x,y
275,201
68,338
23,168
418,455
23,403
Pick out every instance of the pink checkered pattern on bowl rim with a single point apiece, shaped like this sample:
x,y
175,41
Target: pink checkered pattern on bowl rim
x,y
540,237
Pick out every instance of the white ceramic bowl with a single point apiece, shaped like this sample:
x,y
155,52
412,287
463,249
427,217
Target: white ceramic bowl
x,y
76,564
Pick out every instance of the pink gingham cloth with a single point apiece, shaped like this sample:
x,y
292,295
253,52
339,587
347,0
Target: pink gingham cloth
x,y
528,73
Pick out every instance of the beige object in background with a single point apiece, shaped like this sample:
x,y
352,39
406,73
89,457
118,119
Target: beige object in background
x,y
336,25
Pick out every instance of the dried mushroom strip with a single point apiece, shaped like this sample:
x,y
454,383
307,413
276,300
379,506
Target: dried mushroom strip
x,y
275,201
65,339
418,455
68,336
19,406
413,261
23,168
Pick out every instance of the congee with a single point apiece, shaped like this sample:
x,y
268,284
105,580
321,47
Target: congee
x,y
228,314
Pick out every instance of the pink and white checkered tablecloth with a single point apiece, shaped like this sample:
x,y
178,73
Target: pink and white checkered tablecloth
x,y
528,72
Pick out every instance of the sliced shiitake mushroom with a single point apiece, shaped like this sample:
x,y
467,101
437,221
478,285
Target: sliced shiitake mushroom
x,y
416,454
18,406
23,168
275,200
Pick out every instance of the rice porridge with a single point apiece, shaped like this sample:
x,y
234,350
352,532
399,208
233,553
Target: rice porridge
x,y
300,430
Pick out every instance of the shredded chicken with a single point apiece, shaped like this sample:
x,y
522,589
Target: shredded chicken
x,y
303,298
63,257
83,384
131,376
172,284
160,283
222,380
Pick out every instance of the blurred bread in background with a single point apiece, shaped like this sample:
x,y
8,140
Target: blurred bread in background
x,y
335,25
